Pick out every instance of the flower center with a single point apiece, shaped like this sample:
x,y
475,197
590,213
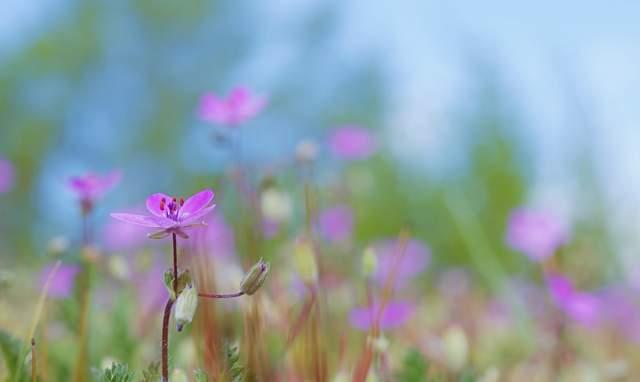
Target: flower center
x,y
172,207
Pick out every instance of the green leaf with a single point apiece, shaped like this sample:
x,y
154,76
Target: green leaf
x,y
152,373
118,372
200,375
11,348
414,367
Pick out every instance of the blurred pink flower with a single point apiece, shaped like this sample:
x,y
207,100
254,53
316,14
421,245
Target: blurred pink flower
x,y
120,236
537,234
239,106
6,176
172,215
150,289
582,307
352,143
336,223
217,238
395,314
62,282
414,261
91,187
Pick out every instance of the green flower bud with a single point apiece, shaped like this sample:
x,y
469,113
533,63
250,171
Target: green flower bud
x,y
254,279
184,279
186,306
369,262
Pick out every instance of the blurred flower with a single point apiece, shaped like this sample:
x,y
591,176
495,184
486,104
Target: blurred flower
x,y
91,187
305,261
217,238
276,205
352,143
395,314
62,282
369,262
455,347
171,215
336,223
454,283
120,236
150,289
239,106
582,307
6,176
119,267
58,245
306,151
414,261
270,228
537,234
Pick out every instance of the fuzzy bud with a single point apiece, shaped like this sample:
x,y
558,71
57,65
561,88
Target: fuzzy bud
x,y
305,261
369,262
254,279
186,306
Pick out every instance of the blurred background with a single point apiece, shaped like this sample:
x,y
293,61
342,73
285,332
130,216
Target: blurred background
x,y
477,109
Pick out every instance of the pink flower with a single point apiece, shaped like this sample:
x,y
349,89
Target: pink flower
x,y
537,234
583,307
172,215
414,261
352,143
336,223
239,106
61,285
395,314
6,176
91,187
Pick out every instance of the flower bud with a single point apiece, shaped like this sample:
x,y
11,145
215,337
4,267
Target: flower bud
x,y
276,205
305,261
369,262
184,279
186,306
254,279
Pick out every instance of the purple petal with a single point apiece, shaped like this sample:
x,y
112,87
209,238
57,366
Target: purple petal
x,y
62,282
142,220
195,203
197,216
537,234
153,203
212,109
352,143
394,315
336,223
560,288
93,186
413,262
6,176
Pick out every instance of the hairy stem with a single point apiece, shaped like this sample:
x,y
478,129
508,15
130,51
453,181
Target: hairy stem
x,y
223,295
175,265
165,340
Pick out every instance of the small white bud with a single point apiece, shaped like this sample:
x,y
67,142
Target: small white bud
x,y
276,205
186,306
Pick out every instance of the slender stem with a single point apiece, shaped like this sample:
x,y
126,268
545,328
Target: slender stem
x,y
165,340
33,360
175,265
223,295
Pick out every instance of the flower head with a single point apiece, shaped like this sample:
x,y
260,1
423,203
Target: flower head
x,y
6,176
394,314
62,282
336,223
352,143
583,307
239,106
172,215
537,234
413,261
91,187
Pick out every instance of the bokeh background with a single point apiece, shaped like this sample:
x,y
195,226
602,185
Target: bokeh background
x,y
476,108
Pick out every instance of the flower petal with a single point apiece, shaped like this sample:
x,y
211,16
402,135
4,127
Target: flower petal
x,y
190,219
195,203
142,220
153,203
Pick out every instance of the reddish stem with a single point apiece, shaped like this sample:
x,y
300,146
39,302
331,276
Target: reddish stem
x,y
223,295
165,340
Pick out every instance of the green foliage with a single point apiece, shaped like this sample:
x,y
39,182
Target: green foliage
x,y
200,375
116,373
152,373
235,368
414,367
11,350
